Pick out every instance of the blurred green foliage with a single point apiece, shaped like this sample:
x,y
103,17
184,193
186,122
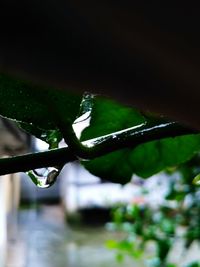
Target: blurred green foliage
x,y
177,219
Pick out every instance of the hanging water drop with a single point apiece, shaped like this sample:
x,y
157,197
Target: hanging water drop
x,y
52,176
44,177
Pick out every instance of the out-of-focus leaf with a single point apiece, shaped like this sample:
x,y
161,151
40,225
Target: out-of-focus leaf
x,y
163,247
175,195
193,264
133,211
167,226
196,180
119,257
112,244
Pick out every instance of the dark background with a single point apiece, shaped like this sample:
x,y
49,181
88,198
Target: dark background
x,y
142,54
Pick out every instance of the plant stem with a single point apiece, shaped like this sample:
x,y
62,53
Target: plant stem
x,y
96,147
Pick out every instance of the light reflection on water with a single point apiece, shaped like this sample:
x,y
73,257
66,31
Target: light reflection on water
x,y
44,240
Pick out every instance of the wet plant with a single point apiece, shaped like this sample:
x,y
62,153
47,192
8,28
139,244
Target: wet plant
x,y
115,135
161,226
117,142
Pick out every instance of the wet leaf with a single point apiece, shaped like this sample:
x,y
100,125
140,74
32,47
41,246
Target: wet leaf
x,y
144,160
153,157
52,137
107,117
27,102
34,105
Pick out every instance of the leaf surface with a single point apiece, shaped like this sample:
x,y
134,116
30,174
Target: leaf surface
x,y
144,160
27,102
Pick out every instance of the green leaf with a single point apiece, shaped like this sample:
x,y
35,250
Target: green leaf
x,y
163,247
167,226
27,102
107,117
111,167
52,137
33,106
193,264
119,257
112,244
196,180
144,160
176,195
150,158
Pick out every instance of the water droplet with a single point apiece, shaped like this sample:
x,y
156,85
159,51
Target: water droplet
x,y
44,177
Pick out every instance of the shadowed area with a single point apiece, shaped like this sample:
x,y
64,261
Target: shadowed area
x,y
142,54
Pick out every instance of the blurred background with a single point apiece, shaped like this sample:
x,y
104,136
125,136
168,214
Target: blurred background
x,y
83,221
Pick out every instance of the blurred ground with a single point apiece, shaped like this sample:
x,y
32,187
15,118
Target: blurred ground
x,y
42,239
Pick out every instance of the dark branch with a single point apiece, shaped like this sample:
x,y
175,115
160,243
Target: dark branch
x,y
98,147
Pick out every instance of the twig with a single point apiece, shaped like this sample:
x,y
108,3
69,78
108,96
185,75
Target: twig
x,y
98,147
